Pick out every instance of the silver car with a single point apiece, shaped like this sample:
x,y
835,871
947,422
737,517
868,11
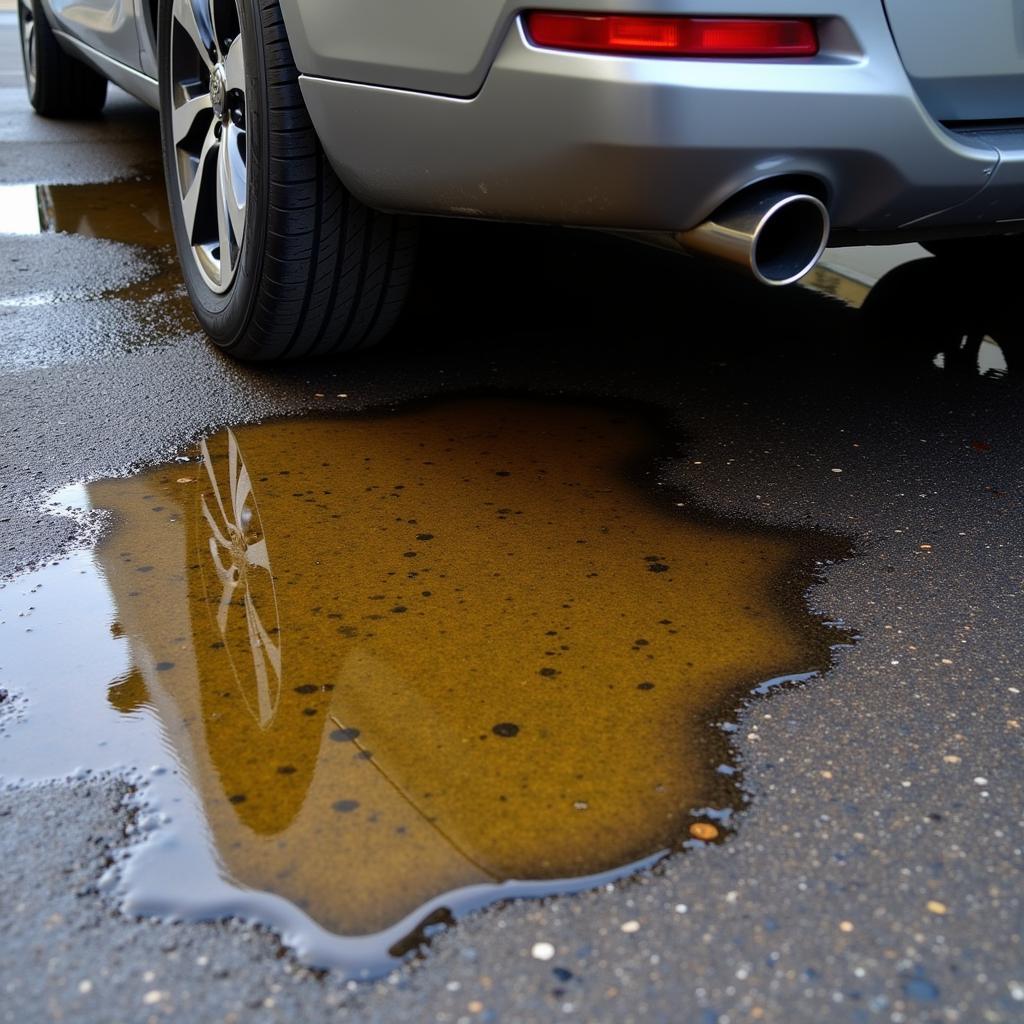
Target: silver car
x,y
300,135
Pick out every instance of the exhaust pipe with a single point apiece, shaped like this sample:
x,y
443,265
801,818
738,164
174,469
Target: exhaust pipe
x,y
775,233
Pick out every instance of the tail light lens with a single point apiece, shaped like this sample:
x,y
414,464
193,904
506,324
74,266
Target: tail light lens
x,y
668,36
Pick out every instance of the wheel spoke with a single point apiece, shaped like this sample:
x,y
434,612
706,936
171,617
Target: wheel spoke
x,y
227,262
227,595
208,464
263,651
223,571
198,26
234,66
232,184
191,199
241,489
256,555
183,117
218,39
215,531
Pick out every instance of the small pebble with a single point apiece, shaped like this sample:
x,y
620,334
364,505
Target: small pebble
x,y
703,830
542,951
629,927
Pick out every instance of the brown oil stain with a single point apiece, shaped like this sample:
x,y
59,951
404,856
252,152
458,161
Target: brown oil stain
x,y
449,645
132,211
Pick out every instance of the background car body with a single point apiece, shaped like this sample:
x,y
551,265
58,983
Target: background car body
x,y
909,123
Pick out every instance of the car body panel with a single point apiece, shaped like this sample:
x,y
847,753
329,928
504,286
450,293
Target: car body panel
x,y
107,26
966,60
631,143
448,47
145,21
448,108
137,83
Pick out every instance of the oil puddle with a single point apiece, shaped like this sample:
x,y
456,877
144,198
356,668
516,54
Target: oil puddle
x,y
133,211
380,670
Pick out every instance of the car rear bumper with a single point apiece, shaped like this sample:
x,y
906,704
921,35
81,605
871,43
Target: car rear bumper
x,y
654,144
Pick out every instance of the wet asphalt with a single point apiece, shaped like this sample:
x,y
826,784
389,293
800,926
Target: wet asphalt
x,y
875,872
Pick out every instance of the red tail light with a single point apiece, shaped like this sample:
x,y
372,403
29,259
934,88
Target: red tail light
x,y
667,36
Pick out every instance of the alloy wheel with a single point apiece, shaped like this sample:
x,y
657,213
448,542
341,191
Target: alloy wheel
x,y
240,589
208,124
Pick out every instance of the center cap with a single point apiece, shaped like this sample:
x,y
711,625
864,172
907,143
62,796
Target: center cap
x,y
218,89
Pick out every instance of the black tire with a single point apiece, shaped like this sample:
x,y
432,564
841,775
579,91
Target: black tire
x,y
932,307
58,84
317,272
994,248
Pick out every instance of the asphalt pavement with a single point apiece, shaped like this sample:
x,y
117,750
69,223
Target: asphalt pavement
x,y
875,869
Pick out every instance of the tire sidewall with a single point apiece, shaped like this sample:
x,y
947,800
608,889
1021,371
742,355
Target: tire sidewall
x,y
43,35
224,316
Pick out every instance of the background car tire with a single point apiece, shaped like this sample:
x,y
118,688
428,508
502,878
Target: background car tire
x,y
58,84
316,271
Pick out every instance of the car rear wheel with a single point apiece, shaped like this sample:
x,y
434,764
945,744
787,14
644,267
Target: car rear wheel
x,y
58,84
279,259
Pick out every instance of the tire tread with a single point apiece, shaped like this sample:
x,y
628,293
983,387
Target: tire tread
x,y
333,273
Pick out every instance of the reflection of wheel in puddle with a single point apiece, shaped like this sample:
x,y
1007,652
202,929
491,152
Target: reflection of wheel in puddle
x,y
243,602
975,354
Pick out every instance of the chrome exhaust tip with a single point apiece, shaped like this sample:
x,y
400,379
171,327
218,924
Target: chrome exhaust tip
x,y
776,234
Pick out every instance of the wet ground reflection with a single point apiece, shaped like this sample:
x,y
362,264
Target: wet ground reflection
x,y
428,652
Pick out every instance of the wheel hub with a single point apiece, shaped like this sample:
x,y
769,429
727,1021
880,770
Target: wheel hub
x,y
218,90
